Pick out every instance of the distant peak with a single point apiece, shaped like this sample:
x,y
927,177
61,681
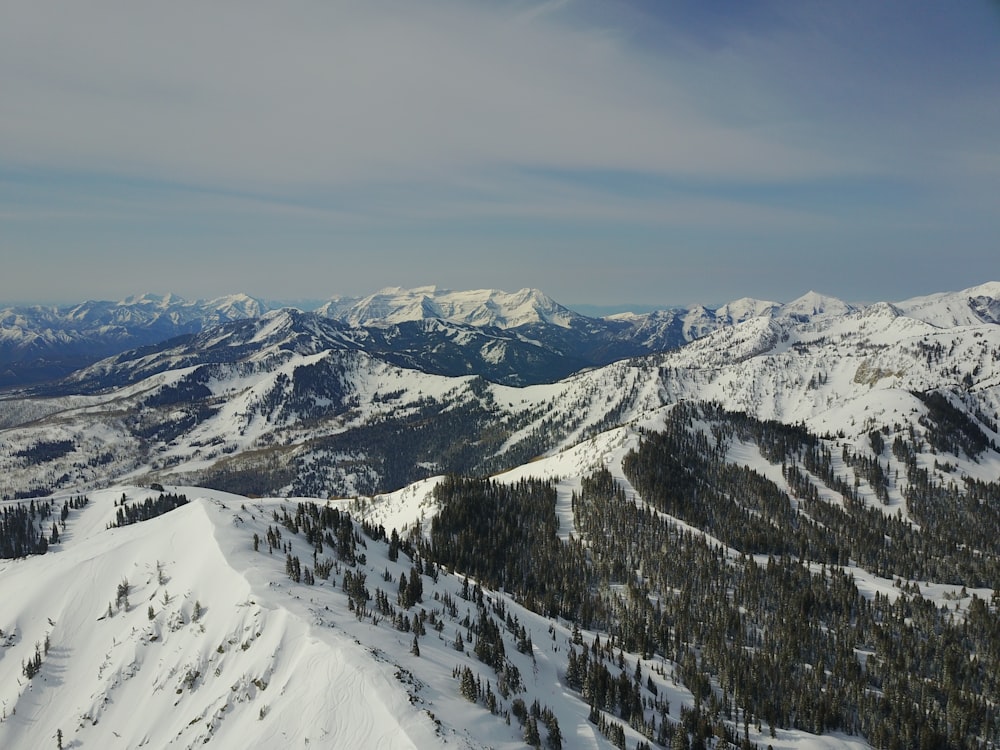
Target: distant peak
x,y
400,291
989,289
745,308
149,298
238,297
813,303
477,307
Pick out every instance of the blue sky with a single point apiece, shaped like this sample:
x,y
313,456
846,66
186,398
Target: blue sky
x,y
645,151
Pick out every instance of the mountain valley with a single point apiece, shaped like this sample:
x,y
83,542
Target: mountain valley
x,y
760,524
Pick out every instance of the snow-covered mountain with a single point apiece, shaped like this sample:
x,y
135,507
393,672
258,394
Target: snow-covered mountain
x,y
250,622
519,338
43,342
295,402
515,338
978,304
434,346
480,307
221,623
812,306
187,629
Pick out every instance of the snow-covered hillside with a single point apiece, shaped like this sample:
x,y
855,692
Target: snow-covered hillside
x,y
212,643
188,629
290,398
262,622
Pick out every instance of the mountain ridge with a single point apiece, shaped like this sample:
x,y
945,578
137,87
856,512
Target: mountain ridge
x,y
41,343
821,473
312,390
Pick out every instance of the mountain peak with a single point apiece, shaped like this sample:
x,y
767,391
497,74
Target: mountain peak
x,y
972,306
235,306
745,308
813,304
477,307
152,300
989,289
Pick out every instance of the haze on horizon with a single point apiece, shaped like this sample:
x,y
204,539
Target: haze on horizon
x,y
645,153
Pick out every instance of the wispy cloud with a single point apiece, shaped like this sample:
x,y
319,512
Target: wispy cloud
x,y
246,123
336,92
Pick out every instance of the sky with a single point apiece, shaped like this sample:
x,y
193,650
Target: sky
x,y
653,152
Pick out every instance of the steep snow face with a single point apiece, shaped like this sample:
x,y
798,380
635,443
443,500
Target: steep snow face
x,y
177,632
481,307
208,643
697,322
823,371
973,306
733,344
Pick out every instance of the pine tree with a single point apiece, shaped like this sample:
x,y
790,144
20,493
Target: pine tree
x,y
394,546
415,588
468,687
680,739
531,736
554,739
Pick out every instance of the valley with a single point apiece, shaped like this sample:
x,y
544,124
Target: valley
x,y
775,527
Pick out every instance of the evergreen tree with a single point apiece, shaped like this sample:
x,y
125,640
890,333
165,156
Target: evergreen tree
x,y
468,687
531,736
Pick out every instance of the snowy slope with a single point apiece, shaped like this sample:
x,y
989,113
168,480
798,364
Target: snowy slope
x,y
239,397
214,644
268,662
813,305
247,669
973,306
414,505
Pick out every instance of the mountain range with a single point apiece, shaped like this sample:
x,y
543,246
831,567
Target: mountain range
x,y
522,337
754,441
42,342
517,339
329,407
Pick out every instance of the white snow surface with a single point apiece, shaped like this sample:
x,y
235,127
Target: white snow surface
x,y
970,306
479,307
839,375
813,304
272,663
255,670
217,646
